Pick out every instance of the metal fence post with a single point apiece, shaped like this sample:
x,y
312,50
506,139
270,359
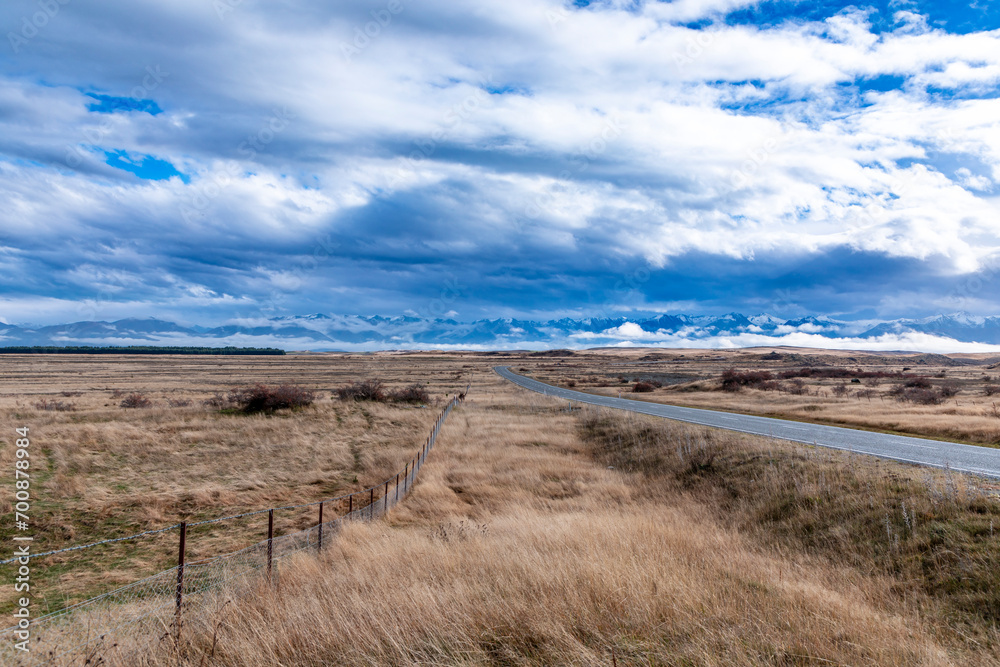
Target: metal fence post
x,y
397,487
350,504
371,503
406,475
180,580
270,543
385,501
320,546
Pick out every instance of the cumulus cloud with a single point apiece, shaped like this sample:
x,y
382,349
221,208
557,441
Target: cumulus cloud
x,y
277,159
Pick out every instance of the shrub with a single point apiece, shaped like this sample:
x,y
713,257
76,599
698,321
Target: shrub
x,y
136,401
796,387
991,389
415,393
918,383
57,406
570,383
265,398
642,388
216,401
840,390
366,390
916,395
178,402
733,380
948,390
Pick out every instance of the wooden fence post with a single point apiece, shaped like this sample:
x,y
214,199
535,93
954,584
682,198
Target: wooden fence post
x,y
320,547
270,538
180,580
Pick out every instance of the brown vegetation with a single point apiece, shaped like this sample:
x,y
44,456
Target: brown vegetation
x,y
521,546
256,398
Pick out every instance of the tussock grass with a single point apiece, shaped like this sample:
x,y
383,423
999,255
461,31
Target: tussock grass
x,y
936,534
684,553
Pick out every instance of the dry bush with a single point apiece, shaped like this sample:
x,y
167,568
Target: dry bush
x,y
364,390
840,390
948,390
136,400
642,388
178,402
268,398
57,406
216,400
733,380
991,390
414,393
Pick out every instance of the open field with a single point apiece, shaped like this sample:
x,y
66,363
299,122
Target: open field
x,y
956,397
108,471
535,535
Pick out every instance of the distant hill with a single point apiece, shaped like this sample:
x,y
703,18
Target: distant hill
x,y
955,332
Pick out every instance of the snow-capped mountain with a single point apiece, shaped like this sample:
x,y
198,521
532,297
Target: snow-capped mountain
x,y
955,332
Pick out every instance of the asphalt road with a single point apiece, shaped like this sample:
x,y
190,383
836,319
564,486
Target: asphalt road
x,y
983,461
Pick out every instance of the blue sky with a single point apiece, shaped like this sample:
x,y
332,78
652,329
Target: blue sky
x,y
203,161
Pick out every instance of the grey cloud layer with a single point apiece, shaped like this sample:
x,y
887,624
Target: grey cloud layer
x,y
330,169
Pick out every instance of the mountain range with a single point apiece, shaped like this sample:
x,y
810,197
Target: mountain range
x,y
955,332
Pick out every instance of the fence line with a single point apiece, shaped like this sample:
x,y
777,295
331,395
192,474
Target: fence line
x,y
132,618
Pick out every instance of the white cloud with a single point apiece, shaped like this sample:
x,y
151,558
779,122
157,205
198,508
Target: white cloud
x,y
622,137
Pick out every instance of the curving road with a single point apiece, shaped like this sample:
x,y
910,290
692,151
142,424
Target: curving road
x,y
983,461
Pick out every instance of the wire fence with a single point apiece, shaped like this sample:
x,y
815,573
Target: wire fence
x,y
130,620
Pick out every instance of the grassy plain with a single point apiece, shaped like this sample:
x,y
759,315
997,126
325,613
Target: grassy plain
x,y
535,535
692,378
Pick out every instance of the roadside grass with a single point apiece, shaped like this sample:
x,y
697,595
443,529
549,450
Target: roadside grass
x,y
692,379
520,546
937,534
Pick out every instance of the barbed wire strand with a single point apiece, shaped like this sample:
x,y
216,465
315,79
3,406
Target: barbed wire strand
x,y
154,598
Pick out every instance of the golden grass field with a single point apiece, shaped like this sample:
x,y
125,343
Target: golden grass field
x,y
691,378
534,535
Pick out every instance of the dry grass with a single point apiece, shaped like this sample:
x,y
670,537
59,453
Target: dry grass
x,y
694,378
103,471
520,546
